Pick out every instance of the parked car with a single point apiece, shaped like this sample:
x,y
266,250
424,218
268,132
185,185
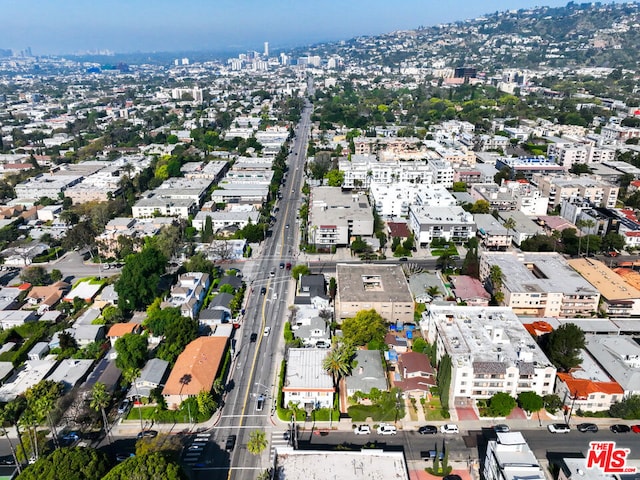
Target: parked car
x,y
501,428
361,429
558,428
194,447
124,406
122,456
620,428
449,428
385,429
70,437
587,427
431,454
428,430
635,428
288,265
259,403
147,434
230,443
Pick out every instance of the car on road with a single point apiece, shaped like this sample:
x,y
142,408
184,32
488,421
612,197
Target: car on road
x,y
263,290
449,428
272,273
147,434
385,429
124,406
7,460
281,265
501,428
70,437
288,265
620,428
267,331
195,446
587,427
230,444
286,226
558,428
428,430
635,428
122,456
259,403
403,259
253,337
361,429
431,454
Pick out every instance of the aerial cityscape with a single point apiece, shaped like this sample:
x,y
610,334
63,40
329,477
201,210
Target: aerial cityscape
x,y
356,241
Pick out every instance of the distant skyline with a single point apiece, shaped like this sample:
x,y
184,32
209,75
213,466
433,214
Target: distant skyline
x,y
123,26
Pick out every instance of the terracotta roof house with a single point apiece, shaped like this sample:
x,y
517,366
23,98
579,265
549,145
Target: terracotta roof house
x,y
587,394
195,370
470,290
117,330
46,297
416,375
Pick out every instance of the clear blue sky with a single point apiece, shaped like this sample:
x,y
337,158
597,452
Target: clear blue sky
x,y
67,26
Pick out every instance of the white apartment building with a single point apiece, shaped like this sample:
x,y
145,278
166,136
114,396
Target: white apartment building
x,y
569,153
559,188
307,384
492,235
363,171
443,172
166,206
540,284
509,457
394,199
46,185
449,223
490,352
336,217
238,216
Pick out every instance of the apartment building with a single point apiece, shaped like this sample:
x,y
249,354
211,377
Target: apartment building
x,y
559,188
394,200
46,185
568,154
383,288
306,382
336,217
490,352
509,457
492,235
527,167
540,284
448,223
362,171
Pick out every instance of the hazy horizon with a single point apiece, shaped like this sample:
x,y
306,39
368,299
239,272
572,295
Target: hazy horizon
x,y
129,26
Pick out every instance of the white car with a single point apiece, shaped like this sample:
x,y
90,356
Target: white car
x,y
267,331
385,429
449,428
558,428
361,429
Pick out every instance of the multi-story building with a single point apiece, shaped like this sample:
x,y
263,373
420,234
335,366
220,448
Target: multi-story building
x,y
620,298
559,188
509,457
46,185
448,223
336,217
394,200
490,352
492,234
380,287
361,171
568,154
306,383
189,292
527,167
540,284
619,356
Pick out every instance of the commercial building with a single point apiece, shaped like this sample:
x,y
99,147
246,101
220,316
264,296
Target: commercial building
x,y
380,287
490,352
540,284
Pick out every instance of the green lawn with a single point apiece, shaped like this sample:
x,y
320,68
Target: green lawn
x,y
437,252
433,410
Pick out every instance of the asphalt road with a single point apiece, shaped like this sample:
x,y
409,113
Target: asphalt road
x,y
256,364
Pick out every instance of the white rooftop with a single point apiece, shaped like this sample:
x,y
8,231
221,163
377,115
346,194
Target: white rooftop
x,y
304,369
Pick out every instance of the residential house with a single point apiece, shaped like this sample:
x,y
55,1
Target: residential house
x,y
416,375
46,297
15,318
316,333
70,372
84,290
195,370
118,330
39,351
152,376
306,383
368,373
189,293
470,291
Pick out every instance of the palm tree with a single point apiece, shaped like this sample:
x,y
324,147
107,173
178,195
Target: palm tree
x,y
130,376
509,224
100,399
338,362
6,416
257,442
589,224
495,277
433,291
580,224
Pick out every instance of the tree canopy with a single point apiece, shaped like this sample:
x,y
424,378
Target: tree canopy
x,y
501,404
365,327
530,401
132,351
69,464
153,466
562,346
138,284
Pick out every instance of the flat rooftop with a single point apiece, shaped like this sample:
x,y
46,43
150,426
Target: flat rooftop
x,y
305,371
610,285
372,283
367,464
545,272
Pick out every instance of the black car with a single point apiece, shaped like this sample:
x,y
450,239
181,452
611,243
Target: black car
x,y
147,433
587,427
620,428
230,443
263,290
428,430
253,337
501,428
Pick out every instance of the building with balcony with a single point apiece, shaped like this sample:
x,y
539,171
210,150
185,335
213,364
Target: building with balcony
x,y
306,383
448,223
540,284
559,188
490,351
